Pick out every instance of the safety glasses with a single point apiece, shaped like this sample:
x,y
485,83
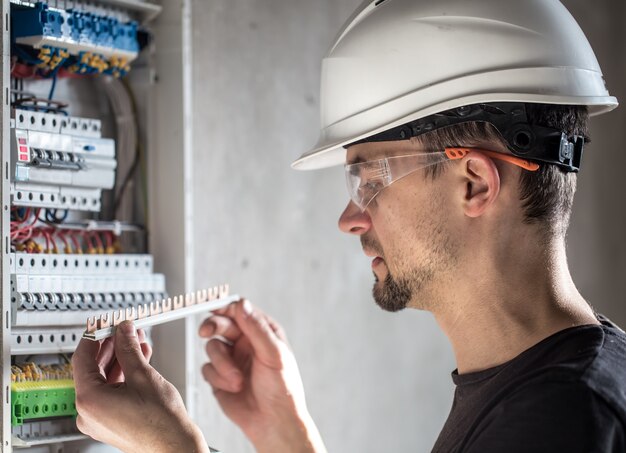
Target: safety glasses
x,y
365,180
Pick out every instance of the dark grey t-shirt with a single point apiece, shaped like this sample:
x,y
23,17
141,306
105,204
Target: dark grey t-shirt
x,y
565,394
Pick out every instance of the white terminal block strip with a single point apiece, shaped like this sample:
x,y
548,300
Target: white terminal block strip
x,y
205,301
59,161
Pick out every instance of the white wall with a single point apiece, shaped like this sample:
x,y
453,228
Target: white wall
x,y
375,381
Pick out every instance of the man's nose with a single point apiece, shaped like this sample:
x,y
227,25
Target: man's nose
x,y
354,221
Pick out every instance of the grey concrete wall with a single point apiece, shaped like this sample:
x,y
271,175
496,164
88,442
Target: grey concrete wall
x,y
375,381
597,240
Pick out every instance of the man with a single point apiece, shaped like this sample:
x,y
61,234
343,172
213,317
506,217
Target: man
x,y
461,124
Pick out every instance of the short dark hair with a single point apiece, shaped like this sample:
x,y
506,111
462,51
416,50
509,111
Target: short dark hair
x,y
547,194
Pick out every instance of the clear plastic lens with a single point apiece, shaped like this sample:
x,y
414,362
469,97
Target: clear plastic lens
x,y
365,180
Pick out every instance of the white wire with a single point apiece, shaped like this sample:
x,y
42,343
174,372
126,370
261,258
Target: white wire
x,y
126,142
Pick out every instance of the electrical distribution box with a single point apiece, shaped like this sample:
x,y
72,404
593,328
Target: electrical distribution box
x,y
74,193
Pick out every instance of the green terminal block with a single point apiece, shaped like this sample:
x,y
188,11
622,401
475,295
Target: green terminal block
x,y
34,400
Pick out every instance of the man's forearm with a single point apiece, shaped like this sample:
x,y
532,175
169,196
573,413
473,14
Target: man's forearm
x,y
299,435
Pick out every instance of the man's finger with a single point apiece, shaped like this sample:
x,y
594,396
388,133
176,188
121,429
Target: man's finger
x,y
219,382
262,338
146,350
106,356
228,310
105,353
85,366
115,374
277,329
220,326
221,358
128,352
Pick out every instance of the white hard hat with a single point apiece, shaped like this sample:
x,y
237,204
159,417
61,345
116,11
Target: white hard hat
x,y
396,61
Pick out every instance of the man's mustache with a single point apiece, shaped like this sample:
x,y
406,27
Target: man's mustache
x,y
369,244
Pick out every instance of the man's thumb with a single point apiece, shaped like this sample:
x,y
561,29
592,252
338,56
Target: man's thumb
x,y
128,351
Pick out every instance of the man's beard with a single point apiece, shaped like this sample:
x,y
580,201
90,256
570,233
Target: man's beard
x,y
392,295
413,285
395,294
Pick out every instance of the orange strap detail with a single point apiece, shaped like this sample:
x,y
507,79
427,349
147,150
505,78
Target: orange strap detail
x,y
460,153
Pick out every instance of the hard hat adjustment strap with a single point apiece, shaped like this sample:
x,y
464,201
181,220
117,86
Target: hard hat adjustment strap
x,y
525,140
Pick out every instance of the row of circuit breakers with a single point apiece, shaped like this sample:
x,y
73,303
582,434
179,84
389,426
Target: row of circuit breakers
x,y
62,163
59,162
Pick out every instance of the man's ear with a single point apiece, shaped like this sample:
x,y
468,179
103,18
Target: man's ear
x,y
482,183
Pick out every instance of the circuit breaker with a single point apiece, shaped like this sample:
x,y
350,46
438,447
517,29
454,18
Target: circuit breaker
x,y
74,193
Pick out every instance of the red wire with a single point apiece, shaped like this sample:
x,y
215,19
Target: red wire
x,y
98,241
109,238
17,232
49,241
49,232
27,235
64,73
25,229
77,246
20,71
41,232
63,238
87,240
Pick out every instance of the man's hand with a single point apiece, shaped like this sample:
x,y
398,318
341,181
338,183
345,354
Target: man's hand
x,y
256,380
122,401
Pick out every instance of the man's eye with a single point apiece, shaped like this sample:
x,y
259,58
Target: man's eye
x,y
371,184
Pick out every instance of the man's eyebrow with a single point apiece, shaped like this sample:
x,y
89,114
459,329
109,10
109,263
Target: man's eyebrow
x,y
355,160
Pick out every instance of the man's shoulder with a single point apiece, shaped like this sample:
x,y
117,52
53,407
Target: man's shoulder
x,y
606,373
572,400
551,413
567,393
598,371
609,364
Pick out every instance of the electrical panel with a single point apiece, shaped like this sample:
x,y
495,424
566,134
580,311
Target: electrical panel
x,y
75,192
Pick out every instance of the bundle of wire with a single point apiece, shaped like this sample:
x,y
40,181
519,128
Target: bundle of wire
x,y
46,60
27,227
130,155
30,371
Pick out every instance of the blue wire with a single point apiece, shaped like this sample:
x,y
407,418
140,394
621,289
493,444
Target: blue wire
x,y
26,57
54,83
38,108
51,215
54,76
